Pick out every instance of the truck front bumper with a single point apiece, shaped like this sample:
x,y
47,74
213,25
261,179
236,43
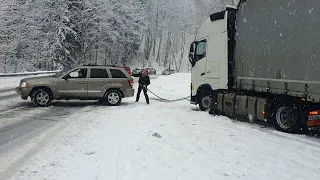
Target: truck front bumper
x,y
193,100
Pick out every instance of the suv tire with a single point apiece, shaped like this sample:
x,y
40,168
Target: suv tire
x,y
41,97
113,97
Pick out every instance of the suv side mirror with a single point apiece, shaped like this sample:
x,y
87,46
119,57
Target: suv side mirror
x,y
65,77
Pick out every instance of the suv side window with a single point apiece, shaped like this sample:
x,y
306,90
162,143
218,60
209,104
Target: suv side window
x,y
116,73
201,50
99,73
78,73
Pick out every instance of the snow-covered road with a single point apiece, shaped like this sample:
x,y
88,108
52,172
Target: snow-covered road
x,y
162,141
22,125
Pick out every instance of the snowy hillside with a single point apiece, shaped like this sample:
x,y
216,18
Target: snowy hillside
x,y
44,34
167,141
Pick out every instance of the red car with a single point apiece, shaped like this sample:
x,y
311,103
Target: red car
x,y
127,68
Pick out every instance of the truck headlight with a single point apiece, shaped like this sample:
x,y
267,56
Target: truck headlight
x,y
24,84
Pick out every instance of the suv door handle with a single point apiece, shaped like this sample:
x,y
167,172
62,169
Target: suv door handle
x,y
82,82
203,74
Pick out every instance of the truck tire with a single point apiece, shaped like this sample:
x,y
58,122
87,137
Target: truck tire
x,y
204,101
286,119
113,97
41,97
213,106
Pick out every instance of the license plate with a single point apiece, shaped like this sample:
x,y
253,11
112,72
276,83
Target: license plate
x,y
315,117
317,129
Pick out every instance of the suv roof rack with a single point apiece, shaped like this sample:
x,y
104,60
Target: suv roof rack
x,y
109,65
92,65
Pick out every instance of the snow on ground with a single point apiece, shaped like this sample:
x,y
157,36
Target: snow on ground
x,y
153,64
171,87
168,141
7,93
28,73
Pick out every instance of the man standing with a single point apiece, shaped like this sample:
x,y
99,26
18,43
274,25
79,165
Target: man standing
x,y
144,81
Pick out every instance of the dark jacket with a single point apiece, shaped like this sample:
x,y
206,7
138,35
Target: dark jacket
x,y
144,80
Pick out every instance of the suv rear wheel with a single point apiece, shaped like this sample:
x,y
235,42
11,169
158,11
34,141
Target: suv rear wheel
x,y
113,97
41,97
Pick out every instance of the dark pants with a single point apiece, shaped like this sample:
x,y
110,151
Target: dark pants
x,y
144,92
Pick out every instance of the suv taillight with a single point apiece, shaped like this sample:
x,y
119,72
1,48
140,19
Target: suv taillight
x,y
131,82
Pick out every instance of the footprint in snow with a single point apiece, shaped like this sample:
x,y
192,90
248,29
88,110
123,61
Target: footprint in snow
x,y
156,135
90,153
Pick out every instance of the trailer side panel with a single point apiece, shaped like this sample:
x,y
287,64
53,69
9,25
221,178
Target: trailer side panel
x,y
277,47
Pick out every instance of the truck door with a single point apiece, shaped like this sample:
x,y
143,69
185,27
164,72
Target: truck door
x,y
199,65
216,63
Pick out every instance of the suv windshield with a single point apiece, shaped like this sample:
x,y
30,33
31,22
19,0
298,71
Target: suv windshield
x,y
60,73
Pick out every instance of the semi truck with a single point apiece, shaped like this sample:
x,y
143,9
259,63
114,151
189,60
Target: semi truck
x,y
260,61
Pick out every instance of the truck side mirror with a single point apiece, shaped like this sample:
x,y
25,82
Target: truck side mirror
x,y
191,52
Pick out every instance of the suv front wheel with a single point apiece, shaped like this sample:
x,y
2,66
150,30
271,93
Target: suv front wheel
x,y
113,97
41,98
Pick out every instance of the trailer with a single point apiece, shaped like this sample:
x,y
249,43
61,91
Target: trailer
x,y
260,61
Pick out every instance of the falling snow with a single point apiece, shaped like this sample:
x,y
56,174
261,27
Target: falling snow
x,y
310,11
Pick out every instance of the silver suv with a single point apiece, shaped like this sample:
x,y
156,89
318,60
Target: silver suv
x,y
108,84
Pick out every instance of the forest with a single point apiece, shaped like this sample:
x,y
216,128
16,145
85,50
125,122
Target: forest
x,y
52,34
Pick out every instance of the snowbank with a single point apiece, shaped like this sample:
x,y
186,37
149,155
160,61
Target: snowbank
x,y
13,82
27,73
173,86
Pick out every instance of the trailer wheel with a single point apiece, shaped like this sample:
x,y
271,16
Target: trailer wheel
x,y
286,119
205,101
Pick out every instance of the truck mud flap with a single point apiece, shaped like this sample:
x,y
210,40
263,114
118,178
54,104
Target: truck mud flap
x,y
252,101
220,102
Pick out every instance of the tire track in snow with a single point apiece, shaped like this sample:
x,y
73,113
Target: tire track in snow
x,y
50,134
8,97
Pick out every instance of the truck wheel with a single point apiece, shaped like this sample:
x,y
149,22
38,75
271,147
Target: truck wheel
x,y
113,97
205,101
286,119
41,98
213,105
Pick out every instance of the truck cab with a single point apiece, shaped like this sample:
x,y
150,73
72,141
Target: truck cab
x,y
209,59
244,66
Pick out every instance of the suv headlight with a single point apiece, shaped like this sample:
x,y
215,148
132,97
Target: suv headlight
x,y
24,84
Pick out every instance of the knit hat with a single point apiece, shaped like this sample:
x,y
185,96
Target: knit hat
x,y
145,72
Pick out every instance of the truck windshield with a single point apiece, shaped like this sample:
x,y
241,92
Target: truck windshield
x,y
201,50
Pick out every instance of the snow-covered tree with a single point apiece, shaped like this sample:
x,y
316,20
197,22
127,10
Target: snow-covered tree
x,y
42,34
